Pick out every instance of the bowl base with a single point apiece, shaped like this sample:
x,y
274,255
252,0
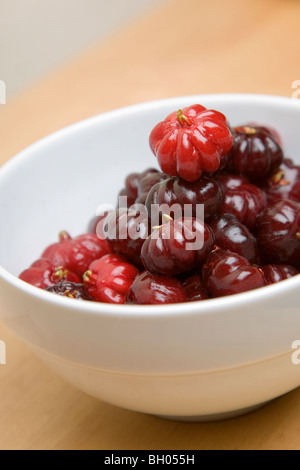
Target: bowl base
x,y
214,417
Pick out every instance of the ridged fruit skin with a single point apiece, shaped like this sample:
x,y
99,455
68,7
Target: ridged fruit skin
x,y
194,288
191,141
278,233
242,199
109,279
43,274
131,189
284,183
226,273
127,232
230,234
178,246
76,254
278,272
149,289
256,152
206,191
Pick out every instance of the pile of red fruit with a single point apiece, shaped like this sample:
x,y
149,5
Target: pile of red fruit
x,y
250,233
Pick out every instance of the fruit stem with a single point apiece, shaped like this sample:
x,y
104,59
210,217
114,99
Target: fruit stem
x,y
64,235
89,278
246,129
182,119
165,220
60,273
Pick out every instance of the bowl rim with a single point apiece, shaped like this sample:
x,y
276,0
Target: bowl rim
x,y
160,310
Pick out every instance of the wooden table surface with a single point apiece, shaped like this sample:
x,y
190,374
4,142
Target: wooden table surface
x,y
179,48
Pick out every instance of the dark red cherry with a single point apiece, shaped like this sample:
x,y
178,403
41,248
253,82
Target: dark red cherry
x,y
278,233
178,246
245,202
225,273
131,190
284,183
256,152
278,272
232,181
149,179
194,288
232,235
174,191
150,289
126,232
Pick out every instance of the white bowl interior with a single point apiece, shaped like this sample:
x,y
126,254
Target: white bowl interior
x,y
59,182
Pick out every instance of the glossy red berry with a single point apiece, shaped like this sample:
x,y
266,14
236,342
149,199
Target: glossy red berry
x,y
177,247
226,273
109,279
191,141
206,191
131,190
149,179
69,289
231,181
43,274
284,183
150,289
126,233
194,288
256,152
230,234
275,273
245,202
78,253
278,233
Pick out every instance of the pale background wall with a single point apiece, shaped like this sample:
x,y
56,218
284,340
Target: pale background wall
x,y
38,35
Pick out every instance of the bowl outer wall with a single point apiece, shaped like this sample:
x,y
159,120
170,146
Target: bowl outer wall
x,y
176,339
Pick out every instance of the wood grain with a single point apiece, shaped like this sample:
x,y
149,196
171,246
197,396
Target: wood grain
x,y
179,48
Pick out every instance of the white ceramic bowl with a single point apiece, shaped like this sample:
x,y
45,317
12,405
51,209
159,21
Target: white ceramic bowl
x,y
202,360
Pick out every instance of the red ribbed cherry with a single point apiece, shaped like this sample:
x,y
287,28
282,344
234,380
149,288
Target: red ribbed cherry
x,y
226,273
43,274
109,279
76,254
191,141
178,246
149,289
